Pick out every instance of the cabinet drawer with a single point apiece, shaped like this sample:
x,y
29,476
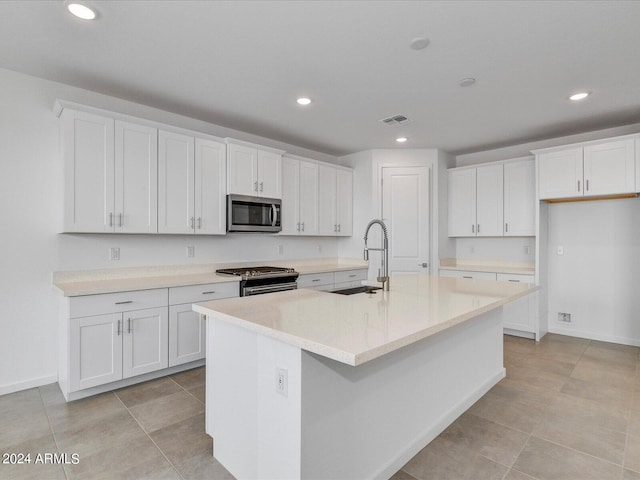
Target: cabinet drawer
x,y
350,276
313,280
117,302
468,274
203,293
512,277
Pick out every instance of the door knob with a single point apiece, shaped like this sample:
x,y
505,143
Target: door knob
x,y
423,265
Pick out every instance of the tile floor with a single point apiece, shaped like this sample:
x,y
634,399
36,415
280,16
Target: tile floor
x,y
569,409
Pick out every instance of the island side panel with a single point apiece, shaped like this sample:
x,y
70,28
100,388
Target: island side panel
x,y
256,430
368,421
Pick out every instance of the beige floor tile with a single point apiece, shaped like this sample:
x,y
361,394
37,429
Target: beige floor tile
x,y
583,436
489,439
144,392
91,437
548,461
523,391
630,475
204,467
612,353
581,410
632,457
22,418
616,376
68,415
190,378
609,397
634,423
516,475
199,392
511,413
167,410
51,395
192,439
444,460
536,377
35,469
402,475
139,458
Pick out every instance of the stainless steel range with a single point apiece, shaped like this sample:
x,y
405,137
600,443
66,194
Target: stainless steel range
x,y
259,280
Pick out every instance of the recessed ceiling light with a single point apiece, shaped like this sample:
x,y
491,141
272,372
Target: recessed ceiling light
x,y
467,82
579,96
81,11
419,43
401,139
303,101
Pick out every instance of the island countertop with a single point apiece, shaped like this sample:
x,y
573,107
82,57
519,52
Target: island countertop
x,y
355,329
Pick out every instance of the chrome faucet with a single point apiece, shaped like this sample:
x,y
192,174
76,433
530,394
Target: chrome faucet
x,y
384,278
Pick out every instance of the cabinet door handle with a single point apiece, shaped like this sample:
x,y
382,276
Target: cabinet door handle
x,y
298,227
111,219
506,227
125,302
338,228
262,186
302,226
478,229
587,185
129,325
120,219
191,220
119,327
473,228
335,227
199,222
209,292
578,185
255,186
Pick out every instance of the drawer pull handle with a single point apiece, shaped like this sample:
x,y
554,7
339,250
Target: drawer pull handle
x,y
464,276
209,293
119,327
353,275
129,325
517,281
123,303
315,280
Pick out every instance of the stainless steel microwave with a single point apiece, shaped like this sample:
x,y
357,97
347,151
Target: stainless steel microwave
x,y
253,214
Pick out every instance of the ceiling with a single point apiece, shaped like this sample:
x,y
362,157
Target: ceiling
x,y
242,65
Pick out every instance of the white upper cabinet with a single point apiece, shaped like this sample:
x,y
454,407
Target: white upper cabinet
x,y
594,169
254,171
299,197
476,201
87,148
111,174
519,198
176,182
191,184
335,209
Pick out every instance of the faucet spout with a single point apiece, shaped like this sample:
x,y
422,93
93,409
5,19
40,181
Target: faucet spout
x,y
384,278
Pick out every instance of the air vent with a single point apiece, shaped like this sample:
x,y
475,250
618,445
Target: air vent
x,y
395,120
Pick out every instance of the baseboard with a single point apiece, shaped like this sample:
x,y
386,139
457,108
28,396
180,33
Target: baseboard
x,y
34,382
634,342
519,333
429,435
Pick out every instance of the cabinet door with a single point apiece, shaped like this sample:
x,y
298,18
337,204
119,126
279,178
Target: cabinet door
x,y
519,315
87,144
519,198
327,223
145,345
95,350
344,206
136,178
242,170
175,183
187,339
489,201
609,168
462,203
290,196
308,198
269,174
210,192
560,174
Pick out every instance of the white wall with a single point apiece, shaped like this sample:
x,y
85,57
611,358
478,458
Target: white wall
x,y
511,249
30,206
597,278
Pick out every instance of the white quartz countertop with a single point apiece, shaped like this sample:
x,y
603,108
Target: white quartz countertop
x,y
94,282
470,265
358,328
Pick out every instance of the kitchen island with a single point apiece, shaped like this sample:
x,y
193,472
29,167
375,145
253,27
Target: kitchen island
x,y
308,384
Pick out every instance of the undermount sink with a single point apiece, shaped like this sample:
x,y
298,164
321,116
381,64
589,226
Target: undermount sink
x,y
354,290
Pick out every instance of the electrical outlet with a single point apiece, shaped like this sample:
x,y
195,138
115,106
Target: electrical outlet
x,y
559,250
114,253
564,317
191,251
319,248
526,250
282,381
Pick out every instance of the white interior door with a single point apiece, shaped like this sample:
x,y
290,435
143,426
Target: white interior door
x,y
406,211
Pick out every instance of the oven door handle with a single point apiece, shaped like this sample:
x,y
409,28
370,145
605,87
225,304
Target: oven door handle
x,y
270,288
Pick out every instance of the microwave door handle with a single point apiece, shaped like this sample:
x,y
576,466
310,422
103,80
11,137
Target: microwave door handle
x,y
274,215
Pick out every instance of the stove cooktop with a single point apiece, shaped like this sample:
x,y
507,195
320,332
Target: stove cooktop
x,y
262,271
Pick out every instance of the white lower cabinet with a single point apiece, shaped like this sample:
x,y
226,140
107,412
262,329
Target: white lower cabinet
x,y
520,315
328,281
110,347
187,329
